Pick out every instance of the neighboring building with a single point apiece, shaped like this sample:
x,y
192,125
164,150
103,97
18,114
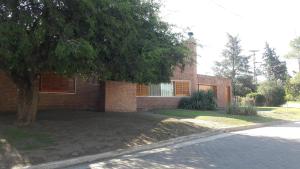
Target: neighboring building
x,y
57,92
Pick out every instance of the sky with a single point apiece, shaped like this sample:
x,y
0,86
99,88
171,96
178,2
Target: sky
x,y
254,21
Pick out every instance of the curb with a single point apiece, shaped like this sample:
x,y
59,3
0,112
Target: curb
x,y
174,141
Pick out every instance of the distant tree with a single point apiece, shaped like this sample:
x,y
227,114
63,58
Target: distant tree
x,y
244,85
295,50
113,40
274,69
234,64
292,88
273,92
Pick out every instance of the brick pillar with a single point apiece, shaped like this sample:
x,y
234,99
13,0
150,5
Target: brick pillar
x,y
120,97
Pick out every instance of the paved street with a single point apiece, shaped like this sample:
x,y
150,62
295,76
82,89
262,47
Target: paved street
x,y
276,147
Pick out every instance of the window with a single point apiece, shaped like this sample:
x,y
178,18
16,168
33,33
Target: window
x,y
182,88
175,88
50,82
142,90
167,89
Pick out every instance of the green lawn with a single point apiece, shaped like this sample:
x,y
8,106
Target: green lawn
x,y
26,139
283,113
219,119
294,102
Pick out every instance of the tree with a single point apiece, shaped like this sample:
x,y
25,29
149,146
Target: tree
x,y
292,88
112,40
244,85
274,69
295,52
273,92
234,63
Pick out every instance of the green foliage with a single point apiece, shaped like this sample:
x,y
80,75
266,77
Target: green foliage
x,y
292,88
201,100
258,99
274,69
244,85
273,92
234,65
113,40
247,101
235,109
295,49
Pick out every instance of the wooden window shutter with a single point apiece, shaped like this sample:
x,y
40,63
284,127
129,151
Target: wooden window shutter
x,y
182,88
142,90
51,82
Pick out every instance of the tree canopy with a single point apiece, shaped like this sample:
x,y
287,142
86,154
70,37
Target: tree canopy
x,y
295,50
121,40
274,69
234,65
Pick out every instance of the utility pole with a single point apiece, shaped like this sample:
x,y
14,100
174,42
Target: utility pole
x,y
254,65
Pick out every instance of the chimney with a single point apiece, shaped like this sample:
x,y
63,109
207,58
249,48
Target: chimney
x,y
191,34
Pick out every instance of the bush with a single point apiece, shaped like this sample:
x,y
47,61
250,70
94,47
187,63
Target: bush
x,y
293,88
257,98
235,109
201,100
247,101
273,92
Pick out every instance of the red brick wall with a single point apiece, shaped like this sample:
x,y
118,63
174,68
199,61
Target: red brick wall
x,y
190,70
148,103
8,94
188,73
221,85
120,97
86,97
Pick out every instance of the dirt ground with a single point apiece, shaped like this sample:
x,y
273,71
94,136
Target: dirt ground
x,y
69,134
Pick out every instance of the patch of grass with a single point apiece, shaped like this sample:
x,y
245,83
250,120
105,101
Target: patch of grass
x,y
266,108
283,113
293,102
27,139
219,119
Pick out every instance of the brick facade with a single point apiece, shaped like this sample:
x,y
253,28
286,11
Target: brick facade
x,y
114,96
87,97
8,94
222,85
189,73
120,97
148,103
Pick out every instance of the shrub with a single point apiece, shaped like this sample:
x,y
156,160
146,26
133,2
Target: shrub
x,y
292,88
273,92
247,101
257,98
235,109
201,100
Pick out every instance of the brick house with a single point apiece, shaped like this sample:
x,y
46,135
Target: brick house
x,y
58,92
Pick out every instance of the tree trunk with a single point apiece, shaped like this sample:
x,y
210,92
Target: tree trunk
x,y
27,103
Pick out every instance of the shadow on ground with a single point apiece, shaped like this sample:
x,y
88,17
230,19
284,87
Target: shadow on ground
x,y
61,134
237,151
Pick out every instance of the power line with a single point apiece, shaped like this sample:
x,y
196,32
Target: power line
x,y
226,9
254,65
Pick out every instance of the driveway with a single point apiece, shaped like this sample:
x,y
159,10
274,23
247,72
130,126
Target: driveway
x,y
276,147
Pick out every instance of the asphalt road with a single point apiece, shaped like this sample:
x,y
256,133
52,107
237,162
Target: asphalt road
x,y
276,147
